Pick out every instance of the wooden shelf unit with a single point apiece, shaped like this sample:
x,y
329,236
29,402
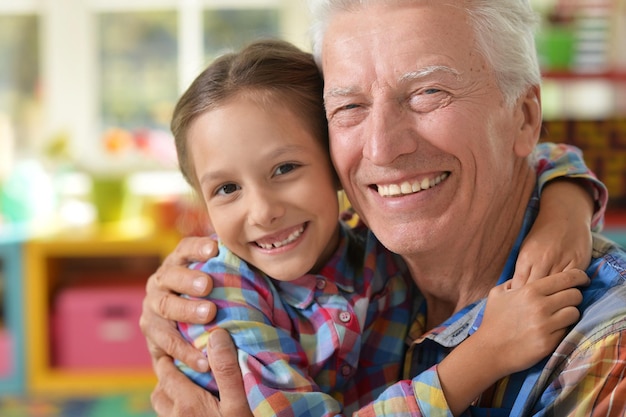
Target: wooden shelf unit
x,y
12,322
51,263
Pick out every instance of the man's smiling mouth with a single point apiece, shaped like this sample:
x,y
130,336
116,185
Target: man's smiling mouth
x,y
394,190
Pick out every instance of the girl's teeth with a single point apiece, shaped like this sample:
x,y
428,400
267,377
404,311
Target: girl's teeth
x,y
292,237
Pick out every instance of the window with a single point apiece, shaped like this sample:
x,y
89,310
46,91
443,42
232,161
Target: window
x,y
20,100
232,28
75,69
138,55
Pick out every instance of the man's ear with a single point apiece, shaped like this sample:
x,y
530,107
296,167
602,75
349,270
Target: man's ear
x,y
528,113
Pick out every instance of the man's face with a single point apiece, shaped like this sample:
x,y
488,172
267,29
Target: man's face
x,y
420,135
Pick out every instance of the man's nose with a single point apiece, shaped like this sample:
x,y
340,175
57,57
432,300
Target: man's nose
x,y
388,133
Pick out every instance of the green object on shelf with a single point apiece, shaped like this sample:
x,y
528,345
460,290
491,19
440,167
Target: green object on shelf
x,y
556,47
109,198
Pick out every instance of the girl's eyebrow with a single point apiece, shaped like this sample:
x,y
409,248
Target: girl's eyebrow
x,y
287,149
279,152
211,176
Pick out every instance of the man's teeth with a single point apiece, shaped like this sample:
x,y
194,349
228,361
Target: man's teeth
x,y
406,187
293,236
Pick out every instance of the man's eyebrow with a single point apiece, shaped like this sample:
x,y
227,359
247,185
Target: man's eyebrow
x,y
409,76
340,92
426,71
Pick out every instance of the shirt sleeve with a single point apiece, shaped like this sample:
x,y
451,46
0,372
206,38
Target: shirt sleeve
x,y
593,383
421,396
586,375
274,365
561,160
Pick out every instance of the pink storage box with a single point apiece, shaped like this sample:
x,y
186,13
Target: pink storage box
x,y
6,353
98,327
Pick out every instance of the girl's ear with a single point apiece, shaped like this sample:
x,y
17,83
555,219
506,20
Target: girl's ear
x,y
528,112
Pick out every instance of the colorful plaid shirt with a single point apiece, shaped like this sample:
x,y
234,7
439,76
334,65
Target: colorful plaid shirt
x,y
321,345
328,344
585,376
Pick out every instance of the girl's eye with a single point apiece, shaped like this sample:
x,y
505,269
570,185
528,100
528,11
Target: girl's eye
x,y
227,189
285,168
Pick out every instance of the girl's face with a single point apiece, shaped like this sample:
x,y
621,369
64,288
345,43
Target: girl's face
x,y
268,186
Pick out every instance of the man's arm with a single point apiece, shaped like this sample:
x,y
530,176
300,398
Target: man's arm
x,y
162,307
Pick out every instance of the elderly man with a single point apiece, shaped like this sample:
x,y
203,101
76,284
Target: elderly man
x,y
446,88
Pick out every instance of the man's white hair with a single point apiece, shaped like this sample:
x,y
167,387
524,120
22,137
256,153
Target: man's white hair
x,y
504,31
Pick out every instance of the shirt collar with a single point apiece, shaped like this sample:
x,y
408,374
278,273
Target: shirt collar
x,y
300,292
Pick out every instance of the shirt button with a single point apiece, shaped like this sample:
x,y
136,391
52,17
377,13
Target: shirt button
x,y
344,316
321,284
346,370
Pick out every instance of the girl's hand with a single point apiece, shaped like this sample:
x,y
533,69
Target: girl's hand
x,y
522,325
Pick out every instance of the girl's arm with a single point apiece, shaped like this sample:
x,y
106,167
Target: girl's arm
x,y
505,343
572,203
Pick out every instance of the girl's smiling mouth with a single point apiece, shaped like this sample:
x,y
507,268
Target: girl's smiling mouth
x,y
281,239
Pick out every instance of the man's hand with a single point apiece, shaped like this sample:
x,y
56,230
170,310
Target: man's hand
x,y
162,306
176,396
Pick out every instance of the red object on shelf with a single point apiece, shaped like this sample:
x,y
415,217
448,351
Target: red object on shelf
x,y
6,368
610,75
97,327
615,218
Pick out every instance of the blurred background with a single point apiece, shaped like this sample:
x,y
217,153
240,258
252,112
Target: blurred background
x,y
90,196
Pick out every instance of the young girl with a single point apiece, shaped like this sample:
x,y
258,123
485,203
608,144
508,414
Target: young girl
x,y
319,311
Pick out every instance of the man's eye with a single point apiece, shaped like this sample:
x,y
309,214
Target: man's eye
x,y
338,110
429,99
227,189
347,115
285,168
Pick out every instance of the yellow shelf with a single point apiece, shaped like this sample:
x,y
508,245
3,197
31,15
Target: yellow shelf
x,y
90,382
45,261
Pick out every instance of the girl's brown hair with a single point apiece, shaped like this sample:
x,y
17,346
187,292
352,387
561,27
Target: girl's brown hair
x,y
274,72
